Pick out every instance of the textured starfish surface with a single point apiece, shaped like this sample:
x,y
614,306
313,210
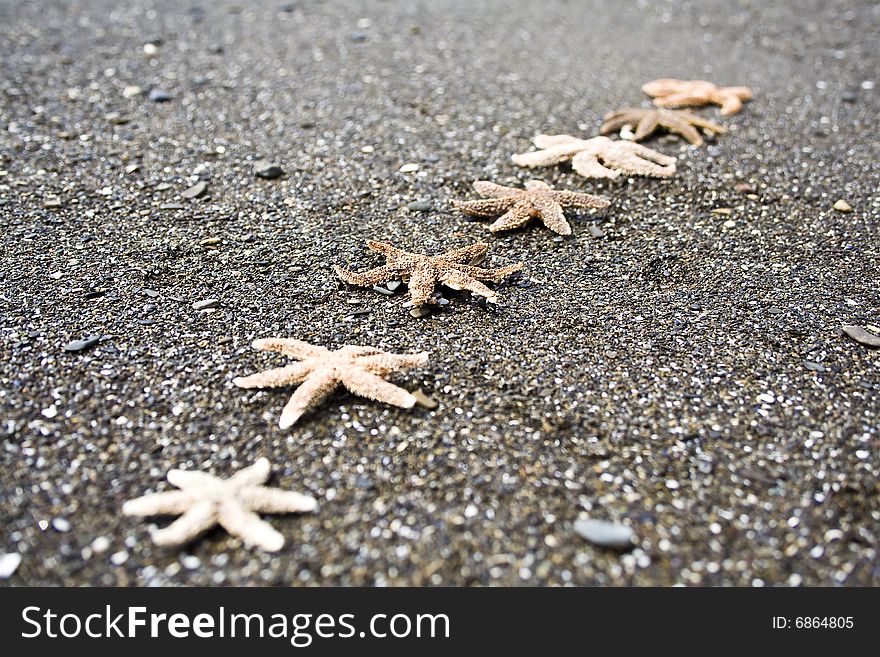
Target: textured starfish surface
x,y
423,272
320,371
598,157
518,206
647,121
204,501
693,93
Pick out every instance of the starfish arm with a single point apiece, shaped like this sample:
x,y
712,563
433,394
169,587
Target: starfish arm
x,y
496,275
469,253
664,87
421,284
614,121
635,159
461,281
248,526
587,164
274,500
647,125
196,520
552,215
665,164
683,99
743,93
680,125
491,190
170,503
369,278
548,156
386,363
546,141
705,124
730,104
289,347
519,215
487,207
371,386
384,248
580,200
193,479
250,476
313,390
276,378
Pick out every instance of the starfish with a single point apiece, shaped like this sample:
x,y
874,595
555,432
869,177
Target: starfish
x,y
646,122
204,501
518,206
321,371
424,272
598,157
693,93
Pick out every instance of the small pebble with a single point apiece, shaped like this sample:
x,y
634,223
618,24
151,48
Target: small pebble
x,y
171,206
9,563
595,231
842,206
116,118
100,544
268,170
82,345
119,558
358,37
131,168
604,533
190,561
862,336
730,223
61,524
195,191
419,206
419,311
52,202
159,96
131,91
205,304
410,167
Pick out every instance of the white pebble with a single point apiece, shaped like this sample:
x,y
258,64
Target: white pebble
x,y
9,564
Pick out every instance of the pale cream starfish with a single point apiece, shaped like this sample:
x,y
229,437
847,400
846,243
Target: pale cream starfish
x,y
647,120
204,501
519,206
598,157
668,92
424,272
321,371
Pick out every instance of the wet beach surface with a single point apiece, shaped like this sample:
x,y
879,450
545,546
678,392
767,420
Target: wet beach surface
x,y
676,366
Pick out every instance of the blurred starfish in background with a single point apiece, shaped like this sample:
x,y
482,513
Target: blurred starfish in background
x,y
320,371
452,269
204,501
598,157
518,206
668,92
647,121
